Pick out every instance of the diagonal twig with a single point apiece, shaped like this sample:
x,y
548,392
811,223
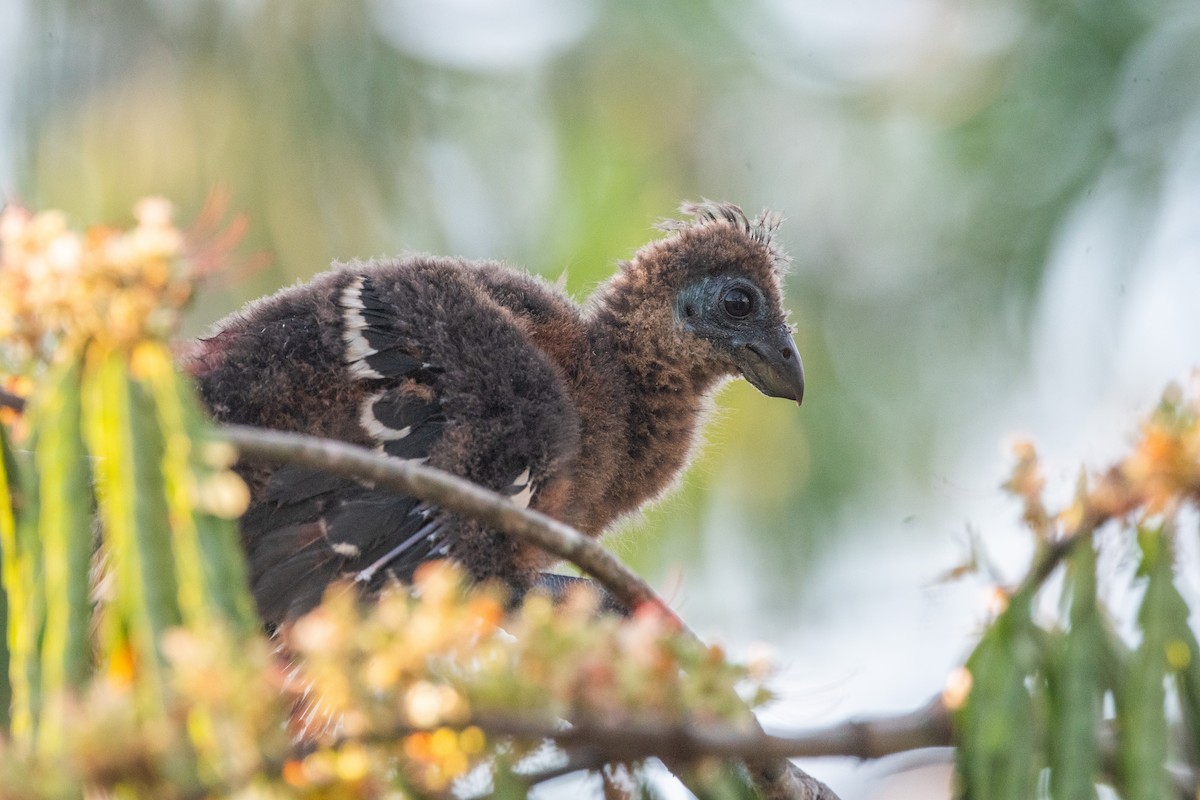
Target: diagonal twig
x,y
454,494
13,401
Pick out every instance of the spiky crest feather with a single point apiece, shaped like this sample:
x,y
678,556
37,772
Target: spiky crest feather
x,y
761,229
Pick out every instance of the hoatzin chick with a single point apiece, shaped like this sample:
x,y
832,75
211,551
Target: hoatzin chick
x,y
492,374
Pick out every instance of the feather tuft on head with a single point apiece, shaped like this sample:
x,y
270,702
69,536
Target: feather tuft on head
x,y
761,229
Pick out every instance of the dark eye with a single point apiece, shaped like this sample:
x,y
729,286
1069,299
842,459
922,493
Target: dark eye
x,y
737,303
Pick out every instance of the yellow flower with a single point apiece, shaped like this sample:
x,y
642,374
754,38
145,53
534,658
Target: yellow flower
x,y
153,212
106,285
353,763
958,688
472,740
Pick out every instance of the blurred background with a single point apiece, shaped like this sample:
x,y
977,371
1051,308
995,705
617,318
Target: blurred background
x,y
993,208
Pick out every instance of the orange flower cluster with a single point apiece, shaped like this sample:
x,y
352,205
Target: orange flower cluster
x,y
116,286
348,771
1028,483
442,755
1165,464
436,668
1156,478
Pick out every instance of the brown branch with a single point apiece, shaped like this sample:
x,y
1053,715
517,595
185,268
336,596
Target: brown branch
x,y
454,494
616,740
1112,497
775,777
626,740
13,401
581,759
869,738
872,737
592,743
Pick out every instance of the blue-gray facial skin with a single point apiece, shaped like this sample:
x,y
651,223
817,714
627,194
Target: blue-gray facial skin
x,y
733,314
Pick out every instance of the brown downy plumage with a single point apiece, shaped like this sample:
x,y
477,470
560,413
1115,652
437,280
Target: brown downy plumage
x,y
581,413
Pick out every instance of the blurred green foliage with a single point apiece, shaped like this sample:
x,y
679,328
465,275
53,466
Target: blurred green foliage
x,y
1052,704
112,526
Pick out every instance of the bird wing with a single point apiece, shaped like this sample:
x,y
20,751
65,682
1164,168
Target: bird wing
x,y
443,376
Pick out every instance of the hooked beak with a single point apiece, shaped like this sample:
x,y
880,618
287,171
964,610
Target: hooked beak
x,y
771,362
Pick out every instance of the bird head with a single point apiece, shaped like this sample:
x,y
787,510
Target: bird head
x,y
722,272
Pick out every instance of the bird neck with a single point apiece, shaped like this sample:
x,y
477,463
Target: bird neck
x,y
633,318
665,387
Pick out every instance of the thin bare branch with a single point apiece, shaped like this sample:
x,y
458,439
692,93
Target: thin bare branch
x,y
1111,497
685,742
454,494
581,759
929,726
868,738
13,401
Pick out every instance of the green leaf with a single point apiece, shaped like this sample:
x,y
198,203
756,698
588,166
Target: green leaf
x,y
1076,685
209,559
997,758
25,594
1141,717
52,531
1185,653
8,537
714,779
507,784
125,440
64,527
1183,659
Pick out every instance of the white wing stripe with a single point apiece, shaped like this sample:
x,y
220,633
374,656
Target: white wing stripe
x,y
376,429
358,349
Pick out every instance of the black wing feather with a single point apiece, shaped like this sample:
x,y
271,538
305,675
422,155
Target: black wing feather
x,y
406,384
418,443
309,528
400,411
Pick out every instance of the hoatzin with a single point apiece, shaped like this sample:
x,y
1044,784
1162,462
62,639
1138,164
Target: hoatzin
x,y
583,413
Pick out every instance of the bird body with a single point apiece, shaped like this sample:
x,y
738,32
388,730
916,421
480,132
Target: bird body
x,y
582,413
